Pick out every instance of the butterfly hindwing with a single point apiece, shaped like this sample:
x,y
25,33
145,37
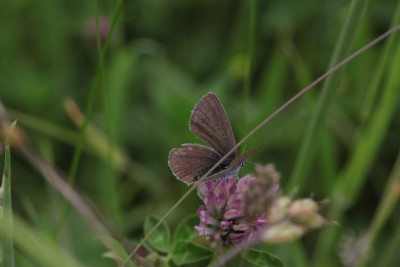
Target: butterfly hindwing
x,y
190,159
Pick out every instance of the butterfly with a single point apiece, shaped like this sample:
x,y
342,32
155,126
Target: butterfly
x,y
210,123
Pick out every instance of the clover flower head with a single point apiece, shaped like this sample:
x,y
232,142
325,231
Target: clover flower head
x,y
237,211
228,215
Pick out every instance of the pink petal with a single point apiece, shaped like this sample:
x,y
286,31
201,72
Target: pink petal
x,y
233,213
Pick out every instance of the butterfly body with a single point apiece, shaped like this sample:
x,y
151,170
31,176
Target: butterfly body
x,y
223,166
210,123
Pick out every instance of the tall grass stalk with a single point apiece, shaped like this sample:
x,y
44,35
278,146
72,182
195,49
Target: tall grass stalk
x,y
392,246
306,152
6,213
108,183
92,94
390,198
89,107
354,174
379,73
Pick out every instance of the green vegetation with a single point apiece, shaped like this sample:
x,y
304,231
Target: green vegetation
x,y
133,93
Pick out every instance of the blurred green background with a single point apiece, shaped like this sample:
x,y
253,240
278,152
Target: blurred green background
x,y
163,57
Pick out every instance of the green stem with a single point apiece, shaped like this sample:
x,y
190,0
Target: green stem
x,y
79,146
305,155
109,184
6,214
390,198
391,249
379,72
92,94
354,174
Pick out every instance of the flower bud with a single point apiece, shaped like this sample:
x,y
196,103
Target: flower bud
x,y
279,209
304,213
306,204
282,233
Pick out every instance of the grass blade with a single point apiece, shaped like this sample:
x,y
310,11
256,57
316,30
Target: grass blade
x,y
305,154
37,248
353,176
379,73
390,198
89,107
6,216
391,248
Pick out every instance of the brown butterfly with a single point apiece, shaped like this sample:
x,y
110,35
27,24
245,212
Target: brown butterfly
x,y
210,123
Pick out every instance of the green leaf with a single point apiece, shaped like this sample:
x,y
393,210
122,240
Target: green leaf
x,y
160,238
262,258
186,252
185,230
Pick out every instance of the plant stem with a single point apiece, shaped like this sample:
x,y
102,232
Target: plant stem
x,y
354,174
6,213
305,155
390,197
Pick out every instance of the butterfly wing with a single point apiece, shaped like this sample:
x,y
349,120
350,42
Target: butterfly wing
x,y
211,124
190,159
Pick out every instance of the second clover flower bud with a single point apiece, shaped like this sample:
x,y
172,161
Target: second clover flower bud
x,y
279,209
304,213
282,233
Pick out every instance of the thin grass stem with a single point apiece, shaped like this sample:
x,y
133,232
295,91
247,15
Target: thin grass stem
x,y
390,198
391,249
6,212
379,72
93,88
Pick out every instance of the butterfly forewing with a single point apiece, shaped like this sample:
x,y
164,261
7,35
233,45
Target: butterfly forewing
x,y
188,160
210,123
